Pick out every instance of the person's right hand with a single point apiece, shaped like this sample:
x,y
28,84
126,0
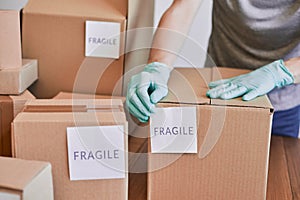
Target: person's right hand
x,y
146,88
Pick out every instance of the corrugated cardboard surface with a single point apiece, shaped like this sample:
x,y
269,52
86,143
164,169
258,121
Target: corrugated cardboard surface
x,y
32,180
41,135
68,95
10,106
54,33
10,39
17,80
233,147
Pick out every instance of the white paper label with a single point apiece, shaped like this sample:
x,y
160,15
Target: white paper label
x,y
12,4
102,39
174,130
96,152
9,196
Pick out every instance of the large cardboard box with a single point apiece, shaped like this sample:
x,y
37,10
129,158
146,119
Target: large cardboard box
x,y
25,180
42,132
55,33
17,80
10,106
232,144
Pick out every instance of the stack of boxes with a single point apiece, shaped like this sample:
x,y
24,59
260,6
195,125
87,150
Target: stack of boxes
x,y
197,147
16,74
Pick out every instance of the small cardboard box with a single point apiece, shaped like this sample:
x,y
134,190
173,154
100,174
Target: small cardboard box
x,y
10,39
25,180
10,106
41,132
55,33
232,145
17,80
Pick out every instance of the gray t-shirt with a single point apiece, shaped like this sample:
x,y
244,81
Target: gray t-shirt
x,y
252,33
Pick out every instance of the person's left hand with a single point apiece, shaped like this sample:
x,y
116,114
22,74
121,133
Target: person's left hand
x,y
253,84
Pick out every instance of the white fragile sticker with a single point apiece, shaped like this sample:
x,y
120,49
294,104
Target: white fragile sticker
x,y
174,130
9,196
102,39
96,152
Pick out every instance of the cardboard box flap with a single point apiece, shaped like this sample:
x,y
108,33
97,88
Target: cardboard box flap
x,y
189,86
259,102
69,95
219,73
115,10
77,105
15,174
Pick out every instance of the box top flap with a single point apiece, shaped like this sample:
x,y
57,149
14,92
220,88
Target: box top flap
x,y
189,86
106,10
69,95
73,105
224,73
16,174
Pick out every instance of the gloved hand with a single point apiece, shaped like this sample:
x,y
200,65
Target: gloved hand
x,y
253,84
145,89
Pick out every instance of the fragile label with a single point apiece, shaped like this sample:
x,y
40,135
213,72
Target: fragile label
x,y
102,39
9,196
174,130
96,152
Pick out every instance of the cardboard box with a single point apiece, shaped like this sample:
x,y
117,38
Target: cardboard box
x,y
17,80
45,124
54,33
10,39
25,180
10,106
233,138
133,123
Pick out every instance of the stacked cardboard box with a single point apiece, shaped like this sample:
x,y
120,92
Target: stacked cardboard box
x,y
231,142
24,179
10,106
45,131
79,45
16,75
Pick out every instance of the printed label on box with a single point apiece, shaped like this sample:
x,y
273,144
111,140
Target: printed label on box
x,y
102,39
174,130
96,152
9,196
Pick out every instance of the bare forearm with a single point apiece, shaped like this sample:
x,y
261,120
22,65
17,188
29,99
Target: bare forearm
x,y
172,30
293,65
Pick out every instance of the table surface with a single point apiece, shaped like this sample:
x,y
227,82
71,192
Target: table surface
x,y
283,178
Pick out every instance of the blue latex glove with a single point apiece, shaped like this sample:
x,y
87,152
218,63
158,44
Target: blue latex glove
x,y
145,89
253,84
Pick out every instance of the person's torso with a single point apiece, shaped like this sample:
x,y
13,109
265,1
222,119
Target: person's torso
x,y
251,33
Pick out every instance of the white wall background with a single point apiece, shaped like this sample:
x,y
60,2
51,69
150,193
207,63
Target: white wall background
x,y
194,49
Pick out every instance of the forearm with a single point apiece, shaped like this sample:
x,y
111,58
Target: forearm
x,y
293,65
172,30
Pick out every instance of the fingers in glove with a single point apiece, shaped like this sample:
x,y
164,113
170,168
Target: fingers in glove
x,y
218,83
136,102
135,112
159,92
142,94
220,90
233,93
251,95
